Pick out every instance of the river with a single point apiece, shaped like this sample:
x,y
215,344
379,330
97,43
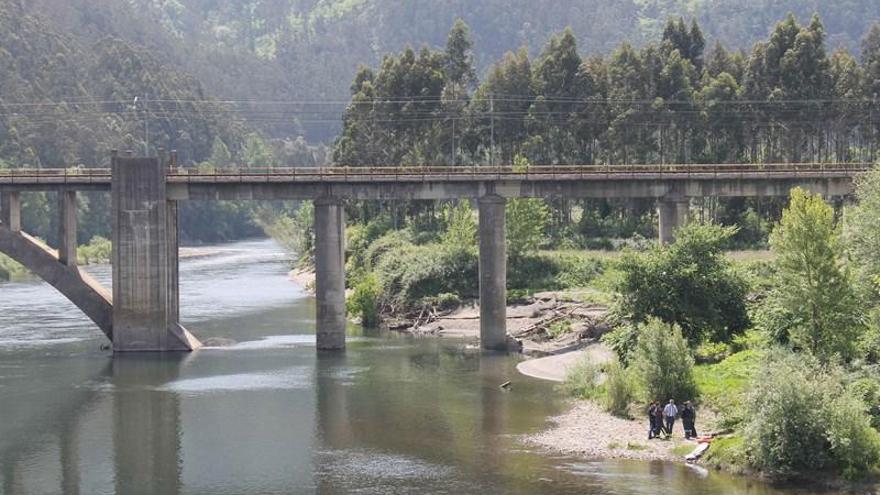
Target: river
x,y
267,415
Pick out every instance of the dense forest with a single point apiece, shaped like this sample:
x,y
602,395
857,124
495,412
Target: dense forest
x,y
268,82
674,101
305,51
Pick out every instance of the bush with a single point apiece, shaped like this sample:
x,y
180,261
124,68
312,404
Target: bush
x,y
868,391
803,420
582,379
690,283
662,363
855,445
364,301
410,273
618,389
98,250
622,341
576,271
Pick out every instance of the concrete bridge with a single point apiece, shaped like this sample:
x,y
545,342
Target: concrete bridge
x,y
142,313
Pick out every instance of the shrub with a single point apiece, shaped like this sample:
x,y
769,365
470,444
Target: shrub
x,y
662,363
577,271
868,391
712,352
690,283
618,389
623,341
559,328
364,300
410,273
855,445
582,379
98,250
786,431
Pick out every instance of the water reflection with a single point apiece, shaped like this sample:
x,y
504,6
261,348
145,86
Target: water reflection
x,y
146,424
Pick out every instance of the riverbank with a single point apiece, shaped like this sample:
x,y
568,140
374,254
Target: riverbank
x,y
588,431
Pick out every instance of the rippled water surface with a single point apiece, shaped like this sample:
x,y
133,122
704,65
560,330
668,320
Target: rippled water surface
x,y
267,415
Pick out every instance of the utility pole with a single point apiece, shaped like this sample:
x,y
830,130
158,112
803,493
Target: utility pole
x,y
146,128
453,141
146,122
492,127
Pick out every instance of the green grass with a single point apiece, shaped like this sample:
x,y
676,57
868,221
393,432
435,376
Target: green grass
x,y
582,380
727,453
723,386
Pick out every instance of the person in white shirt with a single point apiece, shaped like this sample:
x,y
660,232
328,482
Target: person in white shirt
x,y
669,413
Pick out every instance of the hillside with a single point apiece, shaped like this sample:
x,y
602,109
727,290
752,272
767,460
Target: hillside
x,y
306,50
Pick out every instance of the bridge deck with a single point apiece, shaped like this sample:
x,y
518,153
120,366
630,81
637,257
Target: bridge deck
x,y
438,183
101,176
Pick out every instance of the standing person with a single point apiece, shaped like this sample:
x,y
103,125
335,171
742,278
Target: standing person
x,y
670,412
658,419
689,420
652,420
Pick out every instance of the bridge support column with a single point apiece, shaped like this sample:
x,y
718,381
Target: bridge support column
x,y
493,273
672,215
145,296
67,240
10,211
330,273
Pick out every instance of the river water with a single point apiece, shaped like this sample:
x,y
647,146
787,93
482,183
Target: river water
x,y
392,415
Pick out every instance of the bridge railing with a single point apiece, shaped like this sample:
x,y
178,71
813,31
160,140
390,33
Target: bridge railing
x,y
82,175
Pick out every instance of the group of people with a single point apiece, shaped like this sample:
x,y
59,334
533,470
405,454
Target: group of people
x,y
662,419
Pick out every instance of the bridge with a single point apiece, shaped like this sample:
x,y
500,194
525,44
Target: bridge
x,y
141,312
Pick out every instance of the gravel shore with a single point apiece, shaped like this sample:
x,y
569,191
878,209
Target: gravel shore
x,y
588,431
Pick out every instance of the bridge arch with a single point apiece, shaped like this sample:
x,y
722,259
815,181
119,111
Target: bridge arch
x,y
57,268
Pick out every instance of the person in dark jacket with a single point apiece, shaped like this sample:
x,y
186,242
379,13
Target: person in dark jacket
x,y
658,420
652,420
688,420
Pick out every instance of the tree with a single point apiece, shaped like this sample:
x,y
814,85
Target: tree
x,y
256,153
813,304
220,155
862,232
459,67
527,220
663,364
690,284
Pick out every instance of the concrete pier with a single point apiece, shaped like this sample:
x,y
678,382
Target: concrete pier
x,y
493,273
330,273
10,211
67,240
672,215
145,296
